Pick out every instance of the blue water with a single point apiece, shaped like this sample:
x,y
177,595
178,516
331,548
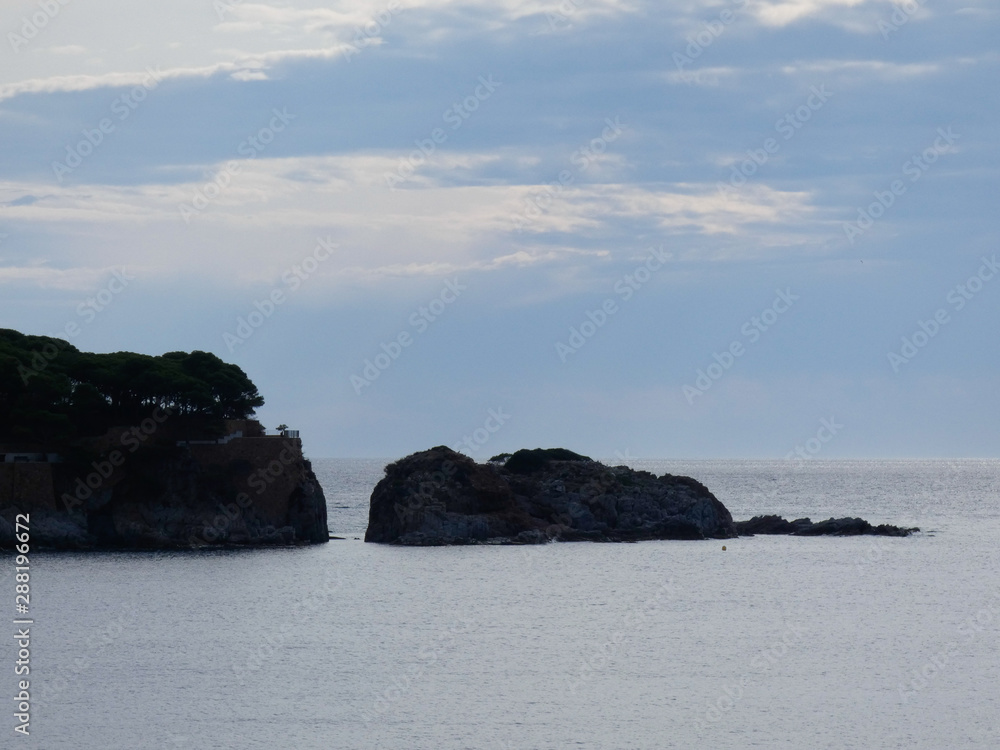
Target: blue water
x,y
777,642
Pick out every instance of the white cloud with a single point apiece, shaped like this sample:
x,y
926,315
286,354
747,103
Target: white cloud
x,y
68,49
707,76
785,12
262,28
273,208
245,67
249,75
255,16
882,68
72,279
860,70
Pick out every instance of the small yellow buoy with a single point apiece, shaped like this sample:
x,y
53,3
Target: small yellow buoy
x,y
723,548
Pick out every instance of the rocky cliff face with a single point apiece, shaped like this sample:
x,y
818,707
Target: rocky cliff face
x,y
248,492
439,497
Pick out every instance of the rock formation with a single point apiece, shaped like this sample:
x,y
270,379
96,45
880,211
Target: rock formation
x,y
805,527
244,491
440,497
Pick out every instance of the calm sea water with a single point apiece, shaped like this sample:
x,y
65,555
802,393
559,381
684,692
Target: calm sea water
x,y
776,642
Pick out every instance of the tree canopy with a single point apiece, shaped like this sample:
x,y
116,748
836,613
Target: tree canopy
x,y
52,392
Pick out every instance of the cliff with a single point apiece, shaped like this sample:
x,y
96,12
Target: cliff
x,y
440,497
165,493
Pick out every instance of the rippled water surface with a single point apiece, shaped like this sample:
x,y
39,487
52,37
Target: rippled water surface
x,y
777,642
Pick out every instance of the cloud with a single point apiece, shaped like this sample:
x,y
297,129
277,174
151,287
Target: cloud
x,y
860,70
272,209
257,16
246,67
42,277
299,190
784,12
883,69
68,49
250,75
26,200
707,76
518,259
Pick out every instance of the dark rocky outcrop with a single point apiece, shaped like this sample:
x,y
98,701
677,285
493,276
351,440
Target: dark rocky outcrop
x,y
246,491
529,461
805,527
438,497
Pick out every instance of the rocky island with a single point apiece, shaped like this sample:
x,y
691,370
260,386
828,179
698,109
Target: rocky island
x,y
440,497
129,451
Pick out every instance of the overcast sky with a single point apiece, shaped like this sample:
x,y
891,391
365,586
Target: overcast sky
x,y
658,229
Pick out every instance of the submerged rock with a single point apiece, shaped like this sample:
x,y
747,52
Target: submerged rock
x,y
439,496
829,527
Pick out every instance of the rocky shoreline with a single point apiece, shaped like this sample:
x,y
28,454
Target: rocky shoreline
x,y
829,527
441,497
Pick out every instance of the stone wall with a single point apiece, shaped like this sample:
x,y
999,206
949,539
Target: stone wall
x,y
27,485
267,469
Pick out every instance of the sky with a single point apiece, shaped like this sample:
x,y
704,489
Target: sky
x,y
671,229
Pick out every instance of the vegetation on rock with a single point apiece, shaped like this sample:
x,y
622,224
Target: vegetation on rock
x,y
526,461
51,393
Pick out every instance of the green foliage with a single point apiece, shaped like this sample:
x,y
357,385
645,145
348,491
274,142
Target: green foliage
x,y
50,392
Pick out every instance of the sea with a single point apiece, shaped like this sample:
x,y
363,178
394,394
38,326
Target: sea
x,y
762,642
